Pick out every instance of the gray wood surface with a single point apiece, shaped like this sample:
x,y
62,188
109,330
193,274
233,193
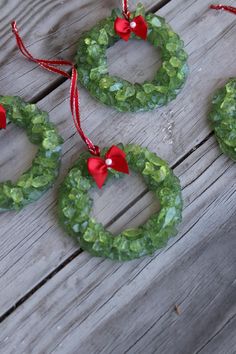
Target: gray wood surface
x,y
56,298
94,305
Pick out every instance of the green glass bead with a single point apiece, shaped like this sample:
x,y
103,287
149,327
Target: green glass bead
x,y
132,233
17,195
140,10
103,38
155,22
122,95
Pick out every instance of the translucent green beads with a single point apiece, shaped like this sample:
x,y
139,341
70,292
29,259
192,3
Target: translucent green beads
x,y
75,206
125,96
223,118
44,170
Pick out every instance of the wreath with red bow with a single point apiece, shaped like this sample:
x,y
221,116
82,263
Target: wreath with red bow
x,y
75,204
121,94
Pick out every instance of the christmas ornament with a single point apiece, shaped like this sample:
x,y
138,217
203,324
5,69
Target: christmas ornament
x,y
223,118
75,206
223,112
44,170
95,167
121,94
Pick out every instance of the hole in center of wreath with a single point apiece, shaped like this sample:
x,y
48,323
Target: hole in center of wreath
x,y
135,61
123,203
17,153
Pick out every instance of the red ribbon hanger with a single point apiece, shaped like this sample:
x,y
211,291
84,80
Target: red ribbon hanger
x,y
125,11
124,26
3,118
224,7
97,166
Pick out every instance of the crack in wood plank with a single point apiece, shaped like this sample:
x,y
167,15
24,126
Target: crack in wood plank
x,y
39,285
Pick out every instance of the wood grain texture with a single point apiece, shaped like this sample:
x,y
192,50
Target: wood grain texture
x,y
223,341
32,243
50,30
94,305
98,306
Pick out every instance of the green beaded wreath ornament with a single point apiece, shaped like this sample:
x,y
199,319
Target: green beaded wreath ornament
x,y
223,118
44,170
75,206
121,94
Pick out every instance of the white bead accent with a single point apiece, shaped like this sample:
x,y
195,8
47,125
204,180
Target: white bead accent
x,y
108,162
132,24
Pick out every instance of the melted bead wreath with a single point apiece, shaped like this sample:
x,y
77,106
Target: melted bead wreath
x,y
44,170
223,118
75,206
121,94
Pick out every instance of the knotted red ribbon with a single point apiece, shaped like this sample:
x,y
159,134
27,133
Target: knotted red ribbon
x,y
52,65
3,118
123,27
98,167
115,157
126,12
224,7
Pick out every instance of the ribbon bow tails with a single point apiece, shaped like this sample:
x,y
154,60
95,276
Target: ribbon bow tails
x,y
3,118
137,25
98,167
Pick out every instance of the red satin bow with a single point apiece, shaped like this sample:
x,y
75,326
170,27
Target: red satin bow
x,y
98,167
3,118
137,25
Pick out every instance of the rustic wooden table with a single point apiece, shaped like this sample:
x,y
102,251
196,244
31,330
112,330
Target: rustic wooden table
x,y
55,298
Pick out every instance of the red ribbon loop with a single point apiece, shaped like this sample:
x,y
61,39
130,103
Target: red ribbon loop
x,y
115,158
126,12
224,7
137,25
3,118
52,65
97,167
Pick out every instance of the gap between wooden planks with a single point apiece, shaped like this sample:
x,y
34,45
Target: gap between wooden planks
x,y
226,31
96,306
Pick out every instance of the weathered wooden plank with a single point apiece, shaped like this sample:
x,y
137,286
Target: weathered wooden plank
x,y
223,341
97,306
50,29
32,243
